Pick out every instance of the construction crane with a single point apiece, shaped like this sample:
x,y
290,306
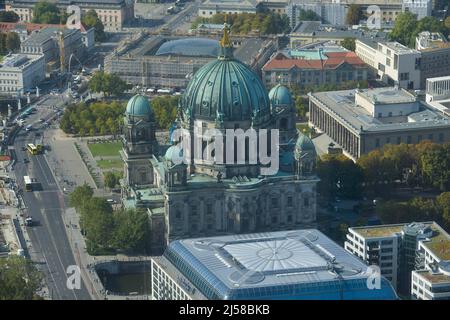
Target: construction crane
x,y
61,50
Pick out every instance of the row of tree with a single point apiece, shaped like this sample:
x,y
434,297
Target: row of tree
x,y
98,118
9,42
108,84
19,279
9,16
106,230
416,209
407,27
165,109
425,165
243,23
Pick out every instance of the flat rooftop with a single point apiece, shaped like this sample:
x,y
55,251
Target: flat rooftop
x,y
341,104
270,265
18,60
399,48
378,231
388,95
278,257
436,278
308,28
439,244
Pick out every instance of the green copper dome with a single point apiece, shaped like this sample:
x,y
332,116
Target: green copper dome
x,y
139,106
280,96
225,90
304,143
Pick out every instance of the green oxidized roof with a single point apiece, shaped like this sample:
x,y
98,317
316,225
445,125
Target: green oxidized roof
x,y
139,106
280,95
304,143
226,89
174,154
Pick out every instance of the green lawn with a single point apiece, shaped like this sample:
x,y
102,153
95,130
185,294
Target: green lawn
x,y
110,164
108,149
303,127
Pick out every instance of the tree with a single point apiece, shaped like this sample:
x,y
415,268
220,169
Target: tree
x,y
19,279
108,84
9,16
80,196
443,203
115,85
301,106
447,24
379,171
404,27
111,179
266,22
91,20
339,176
354,14
12,41
97,222
308,15
46,12
131,230
435,164
165,109
349,44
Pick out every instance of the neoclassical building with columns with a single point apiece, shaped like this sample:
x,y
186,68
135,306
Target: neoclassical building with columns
x,y
203,194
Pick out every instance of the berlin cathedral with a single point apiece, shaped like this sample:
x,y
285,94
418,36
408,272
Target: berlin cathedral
x,y
205,195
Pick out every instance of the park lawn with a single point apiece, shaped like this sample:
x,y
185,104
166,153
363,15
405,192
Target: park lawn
x,y
303,127
110,164
107,149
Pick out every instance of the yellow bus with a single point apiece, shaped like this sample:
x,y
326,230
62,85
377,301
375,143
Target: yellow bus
x,y
32,149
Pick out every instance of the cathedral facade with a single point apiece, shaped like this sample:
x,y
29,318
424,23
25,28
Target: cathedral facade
x,y
192,194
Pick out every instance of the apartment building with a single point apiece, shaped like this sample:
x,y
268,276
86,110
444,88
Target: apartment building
x,y
112,13
415,257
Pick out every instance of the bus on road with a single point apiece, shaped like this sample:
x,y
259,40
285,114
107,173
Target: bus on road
x,y
29,183
32,149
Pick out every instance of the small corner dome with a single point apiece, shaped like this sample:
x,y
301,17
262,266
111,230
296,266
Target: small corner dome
x,y
280,95
174,154
139,106
304,143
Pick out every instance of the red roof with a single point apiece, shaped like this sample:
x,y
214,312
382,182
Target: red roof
x,y
335,59
30,27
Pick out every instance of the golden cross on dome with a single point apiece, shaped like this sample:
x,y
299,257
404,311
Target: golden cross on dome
x,y
226,42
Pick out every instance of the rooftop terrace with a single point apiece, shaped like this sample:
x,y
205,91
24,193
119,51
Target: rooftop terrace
x,y
378,231
439,244
434,277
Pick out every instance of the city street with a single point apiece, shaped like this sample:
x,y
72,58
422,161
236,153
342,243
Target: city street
x,y
50,244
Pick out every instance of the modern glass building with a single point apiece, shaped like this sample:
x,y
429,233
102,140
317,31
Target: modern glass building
x,y
284,265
